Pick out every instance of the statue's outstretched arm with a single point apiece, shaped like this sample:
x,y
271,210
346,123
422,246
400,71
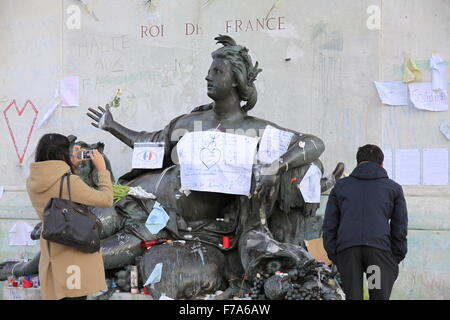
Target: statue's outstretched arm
x,y
304,149
104,120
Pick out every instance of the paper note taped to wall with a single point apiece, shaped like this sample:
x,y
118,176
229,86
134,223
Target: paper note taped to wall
x,y
445,129
407,166
393,93
274,143
438,74
69,92
51,109
216,162
19,234
48,114
435,167
424,97
148,155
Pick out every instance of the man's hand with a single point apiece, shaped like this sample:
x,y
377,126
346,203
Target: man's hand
x,y
103,118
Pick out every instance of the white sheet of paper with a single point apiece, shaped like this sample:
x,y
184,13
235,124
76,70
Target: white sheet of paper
x,y
216,162
310,185
155,276
393,93
69,92
148,155
445,129
19,234
48,114
388,162
435,166
407,166
438,74
2,189
51,109
424,97
274,143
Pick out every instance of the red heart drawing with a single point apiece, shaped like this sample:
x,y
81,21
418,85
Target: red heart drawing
x,y
30,131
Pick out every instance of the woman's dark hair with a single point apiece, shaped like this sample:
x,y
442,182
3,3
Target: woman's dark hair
x,y
370,152
54,146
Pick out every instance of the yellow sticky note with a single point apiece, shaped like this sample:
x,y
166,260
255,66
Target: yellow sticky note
x,y
411,72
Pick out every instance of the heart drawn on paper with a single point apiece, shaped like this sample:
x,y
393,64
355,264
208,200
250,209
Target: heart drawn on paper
x,y
210,157
15,136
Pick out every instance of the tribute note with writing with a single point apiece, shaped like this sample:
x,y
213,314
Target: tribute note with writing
x,y
274,143
435,166
424,97
216,162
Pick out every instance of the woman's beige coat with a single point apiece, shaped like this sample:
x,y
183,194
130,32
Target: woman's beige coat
x,y
64,271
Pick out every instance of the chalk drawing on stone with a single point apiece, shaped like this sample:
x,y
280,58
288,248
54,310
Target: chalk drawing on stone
x,y
17,137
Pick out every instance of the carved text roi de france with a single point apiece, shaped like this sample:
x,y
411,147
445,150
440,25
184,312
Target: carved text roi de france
x,y
230,26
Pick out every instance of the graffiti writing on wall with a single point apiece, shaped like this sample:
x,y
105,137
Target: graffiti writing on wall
x,y
15,136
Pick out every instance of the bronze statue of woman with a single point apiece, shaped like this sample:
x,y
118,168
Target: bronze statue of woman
x,y
205,217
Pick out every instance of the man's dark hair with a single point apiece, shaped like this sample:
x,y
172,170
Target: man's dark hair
x,y
370,152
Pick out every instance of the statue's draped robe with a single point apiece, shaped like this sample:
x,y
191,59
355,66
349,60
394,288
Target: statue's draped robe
x,y
246,225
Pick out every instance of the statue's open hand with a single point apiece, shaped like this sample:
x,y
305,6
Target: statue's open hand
x,y
103,118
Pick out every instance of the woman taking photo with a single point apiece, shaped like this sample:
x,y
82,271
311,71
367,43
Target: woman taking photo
x,y
65,272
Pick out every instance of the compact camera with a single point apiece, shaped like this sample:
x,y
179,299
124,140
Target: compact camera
x,y
85,154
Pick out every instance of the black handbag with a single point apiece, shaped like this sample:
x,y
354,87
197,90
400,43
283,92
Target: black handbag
x,y
71,224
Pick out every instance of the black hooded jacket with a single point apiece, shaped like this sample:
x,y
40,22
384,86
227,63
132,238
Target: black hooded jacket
x,y
366,209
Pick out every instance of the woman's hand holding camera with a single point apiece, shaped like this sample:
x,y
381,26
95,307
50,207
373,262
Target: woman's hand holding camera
x,y
94,155
98,160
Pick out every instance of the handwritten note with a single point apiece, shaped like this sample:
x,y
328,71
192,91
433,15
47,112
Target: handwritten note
x,y
148,155
438,74
407,166
424,97
274,143
69,92
435,166
393,93
310,185
216,162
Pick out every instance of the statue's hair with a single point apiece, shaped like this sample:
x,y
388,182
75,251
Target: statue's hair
x,y
243,69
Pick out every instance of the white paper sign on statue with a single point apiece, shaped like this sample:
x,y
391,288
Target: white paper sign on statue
x,y
216,162
274,143
148,155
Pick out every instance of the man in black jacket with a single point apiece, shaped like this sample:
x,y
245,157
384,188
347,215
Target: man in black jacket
x,y
365,227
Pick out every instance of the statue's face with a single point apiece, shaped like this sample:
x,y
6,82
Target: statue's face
x,y
220,79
